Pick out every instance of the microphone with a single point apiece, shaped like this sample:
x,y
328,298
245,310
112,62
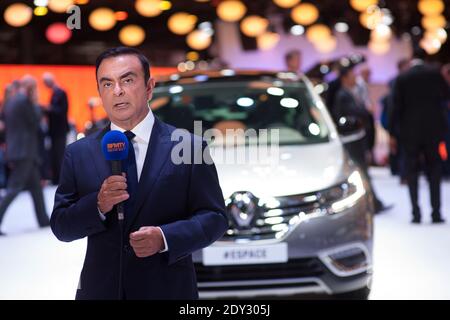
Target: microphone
x,y
115,149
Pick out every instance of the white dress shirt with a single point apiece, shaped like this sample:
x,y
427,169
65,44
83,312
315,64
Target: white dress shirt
x,y
143,131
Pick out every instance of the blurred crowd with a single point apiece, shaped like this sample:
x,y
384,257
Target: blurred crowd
x,y
32,139
416,115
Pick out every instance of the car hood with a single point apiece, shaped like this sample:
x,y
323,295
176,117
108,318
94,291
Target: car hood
x,y
300,169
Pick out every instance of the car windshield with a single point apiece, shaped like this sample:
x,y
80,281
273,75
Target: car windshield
x,y
253,105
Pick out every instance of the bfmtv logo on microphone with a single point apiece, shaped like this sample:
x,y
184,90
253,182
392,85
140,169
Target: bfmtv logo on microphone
x,y
116,147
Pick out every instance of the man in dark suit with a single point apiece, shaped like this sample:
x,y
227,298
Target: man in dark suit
x,y
22,154
396,161
418,112
170,210
345,105
58,125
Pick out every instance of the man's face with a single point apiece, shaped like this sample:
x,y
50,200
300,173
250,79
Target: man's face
x,y
350,78
294,63
123,90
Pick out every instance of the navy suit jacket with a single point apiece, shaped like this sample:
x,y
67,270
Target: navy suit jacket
x,y
185,200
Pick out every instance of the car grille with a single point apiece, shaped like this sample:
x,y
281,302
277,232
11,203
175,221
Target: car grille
x,y
294,268
275,221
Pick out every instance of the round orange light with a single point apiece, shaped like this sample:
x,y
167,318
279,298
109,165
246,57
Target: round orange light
x,y
362,5
434,22
102,19
231,10
18,15
198,40
59,6
318,32
286,3
132,35
431,7
148,8
182,23
253,26
305,14
370,20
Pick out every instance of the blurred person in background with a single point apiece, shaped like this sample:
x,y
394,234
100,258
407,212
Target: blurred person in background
x,y
419,113
362,95
446,75
22,153
10,91
361,89
293,61
334,84
396,160
346,105
58,126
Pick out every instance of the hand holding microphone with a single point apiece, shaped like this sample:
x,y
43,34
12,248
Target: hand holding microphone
x,y
114,188
148,240
112,192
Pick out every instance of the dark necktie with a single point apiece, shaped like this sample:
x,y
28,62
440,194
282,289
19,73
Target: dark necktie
x,y
132,177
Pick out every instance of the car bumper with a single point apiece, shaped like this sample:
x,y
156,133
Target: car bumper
x,y
329,254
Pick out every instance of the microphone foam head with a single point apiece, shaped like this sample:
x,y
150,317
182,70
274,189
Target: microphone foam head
x,y
115,145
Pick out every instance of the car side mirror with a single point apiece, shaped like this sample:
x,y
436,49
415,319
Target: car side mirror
x,y
350,129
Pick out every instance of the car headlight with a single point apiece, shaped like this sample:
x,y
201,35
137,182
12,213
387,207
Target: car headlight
x,y
346,194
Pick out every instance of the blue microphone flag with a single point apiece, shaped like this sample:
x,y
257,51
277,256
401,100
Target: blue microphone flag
x,y
115,145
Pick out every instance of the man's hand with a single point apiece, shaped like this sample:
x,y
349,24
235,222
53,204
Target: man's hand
x,y
147,241
112,192
393,145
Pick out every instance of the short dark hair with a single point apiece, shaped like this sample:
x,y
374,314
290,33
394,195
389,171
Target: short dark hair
x,y
121,51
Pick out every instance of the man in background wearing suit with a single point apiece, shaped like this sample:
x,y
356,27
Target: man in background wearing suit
x,y
58,125
346,105
419,113
22,154
170,210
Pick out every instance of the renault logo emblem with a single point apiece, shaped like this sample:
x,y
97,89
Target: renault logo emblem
x,y
243,209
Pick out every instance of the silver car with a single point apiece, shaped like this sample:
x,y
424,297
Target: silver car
x,y
302,224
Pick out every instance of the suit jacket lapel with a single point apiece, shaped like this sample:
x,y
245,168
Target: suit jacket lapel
x,y
158,152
